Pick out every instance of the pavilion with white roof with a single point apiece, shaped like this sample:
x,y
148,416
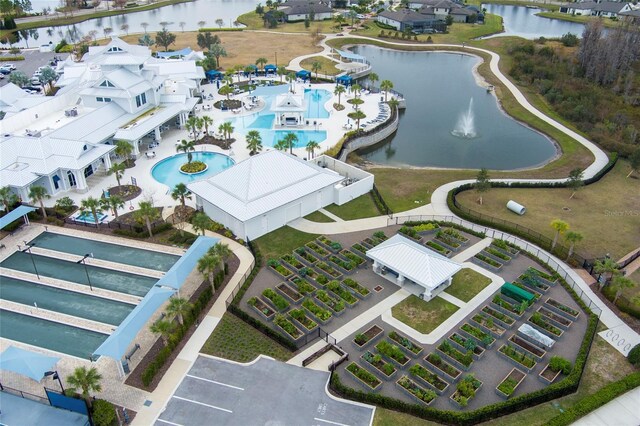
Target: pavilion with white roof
x,y
290,109
403,261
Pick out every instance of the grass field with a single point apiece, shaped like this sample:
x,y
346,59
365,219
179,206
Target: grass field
x,y
358,208
577,18
602,212
236,340
328,66
317,216
384,417
423,316
253,21
467,283
282,241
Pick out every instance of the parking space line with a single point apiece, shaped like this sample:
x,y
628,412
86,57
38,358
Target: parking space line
x,y
328,421
213,381
206,405
169,423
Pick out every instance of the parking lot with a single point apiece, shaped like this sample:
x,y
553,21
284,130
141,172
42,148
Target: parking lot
x,y
32,60
221,392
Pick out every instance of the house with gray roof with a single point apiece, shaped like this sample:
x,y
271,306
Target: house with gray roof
x,y
605,9
408,19
299,10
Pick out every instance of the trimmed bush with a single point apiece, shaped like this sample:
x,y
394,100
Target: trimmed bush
x,y
103,413
634,356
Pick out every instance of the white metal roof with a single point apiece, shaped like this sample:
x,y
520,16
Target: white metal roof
x,y
421,265
137,131
263,183
289,102
95,126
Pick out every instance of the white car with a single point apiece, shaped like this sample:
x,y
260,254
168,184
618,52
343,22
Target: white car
x,y
10,66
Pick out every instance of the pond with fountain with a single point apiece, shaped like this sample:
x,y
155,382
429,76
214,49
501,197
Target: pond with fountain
x,y
451,120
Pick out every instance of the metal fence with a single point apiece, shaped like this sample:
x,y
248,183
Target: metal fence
x,y
563,270
25,395
113,225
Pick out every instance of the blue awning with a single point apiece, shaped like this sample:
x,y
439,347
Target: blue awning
x,y
351,56
345,79
14,215
303,74
270,67
174,278
183,52
27,363
213,74
118,342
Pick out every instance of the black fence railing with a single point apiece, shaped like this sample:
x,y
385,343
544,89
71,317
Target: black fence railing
x,y
113,225
380,203
23,394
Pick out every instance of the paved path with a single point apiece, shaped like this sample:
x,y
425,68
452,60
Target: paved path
x,y
331,215
622,411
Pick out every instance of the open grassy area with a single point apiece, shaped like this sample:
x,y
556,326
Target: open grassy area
x,y
317,216
467,283
358,208
253,21
282,241
605,213
577,18
236,340
328,66
384,417
423,316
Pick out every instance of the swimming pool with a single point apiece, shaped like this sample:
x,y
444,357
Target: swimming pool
x,y
106,251
87,217
167,171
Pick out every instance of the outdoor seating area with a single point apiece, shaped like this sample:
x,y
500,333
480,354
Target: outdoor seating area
x,y
383,115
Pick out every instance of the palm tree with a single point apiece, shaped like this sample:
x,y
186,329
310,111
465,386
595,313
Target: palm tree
x,y
93,205
85,380
373,78
118,170
194,124
339,90
226,91
226,129
386,85
261,62
573,238
483,183
393,103
206,122
281,72
7,198
222,251
290,140
281,145
178,307
560,226
357,115
187,147
311,148
619,283
291,77
146,213
163,328
356,88
37,194
181,192
124,150
607,267
207,266
201,222
112,203
315,67
254,142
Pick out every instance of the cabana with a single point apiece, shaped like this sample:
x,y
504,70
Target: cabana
x,y
214,75
270,69
345,80
304,74
253,68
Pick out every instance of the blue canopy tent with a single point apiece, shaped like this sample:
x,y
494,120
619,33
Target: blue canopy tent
x,y
214,75
175,277
303,74
345,80
270,68
27,363
177,53
15,214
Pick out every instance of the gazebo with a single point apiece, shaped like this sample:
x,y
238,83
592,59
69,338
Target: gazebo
x,y
289,109
345,80
304,75
405,262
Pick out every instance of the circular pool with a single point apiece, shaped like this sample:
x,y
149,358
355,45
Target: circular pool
x,y
168,172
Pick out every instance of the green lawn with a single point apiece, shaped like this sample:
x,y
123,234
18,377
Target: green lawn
x,y
253,21
423,316
282,241
318,216
328,66
577,18
467,283
359,208
384,417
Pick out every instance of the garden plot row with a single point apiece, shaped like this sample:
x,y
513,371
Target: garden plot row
x,y
368,243
446,242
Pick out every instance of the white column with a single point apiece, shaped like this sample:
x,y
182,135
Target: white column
x,y
376,267
81,181
107,161
400,280
136,148
157,133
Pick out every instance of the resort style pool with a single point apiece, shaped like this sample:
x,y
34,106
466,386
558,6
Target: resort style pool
x,y
108,279
55,336
66,302
450,120
167,171
263,120
106,251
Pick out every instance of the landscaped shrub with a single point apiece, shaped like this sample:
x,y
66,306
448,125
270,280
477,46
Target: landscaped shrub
x,y
634,356
103,413
557,363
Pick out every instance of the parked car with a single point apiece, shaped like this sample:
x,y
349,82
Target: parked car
x,y
5,71
34,89
1,76
10,66
35,82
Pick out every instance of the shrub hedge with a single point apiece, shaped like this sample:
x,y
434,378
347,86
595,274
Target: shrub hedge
x,y
142,232
11,58
103,413
213,30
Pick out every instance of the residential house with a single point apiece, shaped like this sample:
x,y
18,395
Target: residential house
x,y
300,10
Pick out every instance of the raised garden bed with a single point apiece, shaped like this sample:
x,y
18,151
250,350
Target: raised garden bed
x,y
427,228
280,270
486,262
536,293
287,327
344,294
435,362
483,338
318,313
353,258
512,309
333,246
466,344
410,233
335,305
527,346
517,358
425,396
438,248
509,384
487,323
461,360
342,265
392,353
313,275
382,368
455,234
289,293
428,378
276,300
363,339
368,380
411,348
380,235
305,256
531,281
330,272
496,255
292,262
262,308
554,318
501,317
448,241
303,286
562,309
548,375
316,250
465,391
360,291
360,248
371,242
505,248
543,276
539,322
303,320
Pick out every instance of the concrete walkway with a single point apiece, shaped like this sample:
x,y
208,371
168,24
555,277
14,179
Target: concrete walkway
x,y
622,411
331,215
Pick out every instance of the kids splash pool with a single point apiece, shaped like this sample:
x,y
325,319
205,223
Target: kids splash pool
x,y
167,171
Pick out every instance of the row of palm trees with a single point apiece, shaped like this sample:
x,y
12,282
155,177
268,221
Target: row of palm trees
x,y
177,308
